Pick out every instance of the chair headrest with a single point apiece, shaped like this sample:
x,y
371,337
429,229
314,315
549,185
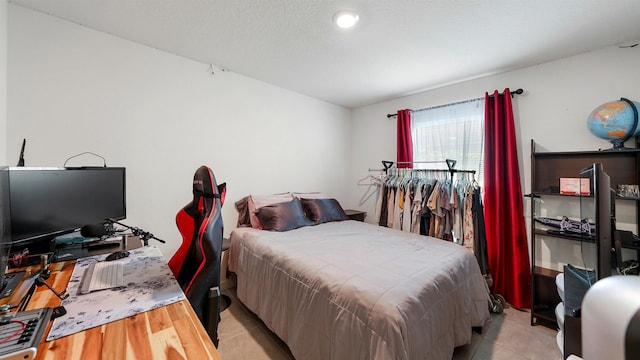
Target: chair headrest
x,y
204,184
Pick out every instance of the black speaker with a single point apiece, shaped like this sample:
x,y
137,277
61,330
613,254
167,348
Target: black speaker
x,y
96,230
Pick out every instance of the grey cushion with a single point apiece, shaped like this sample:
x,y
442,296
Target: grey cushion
x,y
283,216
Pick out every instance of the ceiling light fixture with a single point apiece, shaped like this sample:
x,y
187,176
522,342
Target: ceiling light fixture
x,y
346,19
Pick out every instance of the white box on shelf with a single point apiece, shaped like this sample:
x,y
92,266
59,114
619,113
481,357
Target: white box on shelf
x,y
575,186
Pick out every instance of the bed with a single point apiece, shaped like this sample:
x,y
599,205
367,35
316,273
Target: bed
x,y
352,290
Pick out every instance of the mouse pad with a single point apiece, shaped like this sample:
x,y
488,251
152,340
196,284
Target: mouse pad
x,y
149,283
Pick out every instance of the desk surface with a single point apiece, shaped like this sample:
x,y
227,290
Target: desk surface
x,y
169,332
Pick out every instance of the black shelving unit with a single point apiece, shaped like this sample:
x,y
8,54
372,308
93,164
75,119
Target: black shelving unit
x,y
546,170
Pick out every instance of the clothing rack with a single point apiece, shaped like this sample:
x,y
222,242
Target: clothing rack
x,y
515,92
424,194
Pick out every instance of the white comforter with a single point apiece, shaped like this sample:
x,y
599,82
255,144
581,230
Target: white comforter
x,y
351,290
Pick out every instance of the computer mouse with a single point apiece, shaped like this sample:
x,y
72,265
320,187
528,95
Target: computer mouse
x,y
117,255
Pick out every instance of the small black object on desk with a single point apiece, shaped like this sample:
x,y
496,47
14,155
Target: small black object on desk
x,y
58,312
117,255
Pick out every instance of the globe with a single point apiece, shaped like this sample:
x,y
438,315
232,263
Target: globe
x,y
616,121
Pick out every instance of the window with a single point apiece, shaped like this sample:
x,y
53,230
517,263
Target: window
x,y
453,131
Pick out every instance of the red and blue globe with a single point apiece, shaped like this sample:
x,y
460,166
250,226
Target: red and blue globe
x,y
616,121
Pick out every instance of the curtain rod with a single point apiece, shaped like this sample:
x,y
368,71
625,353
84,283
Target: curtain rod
x,y
515,92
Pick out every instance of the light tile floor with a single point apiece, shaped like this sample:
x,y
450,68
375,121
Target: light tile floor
x,y
507,336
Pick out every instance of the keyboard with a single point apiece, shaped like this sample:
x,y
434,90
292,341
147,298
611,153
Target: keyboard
x,y
102,275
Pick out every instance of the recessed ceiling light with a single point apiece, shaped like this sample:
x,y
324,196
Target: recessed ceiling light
x,y
346,19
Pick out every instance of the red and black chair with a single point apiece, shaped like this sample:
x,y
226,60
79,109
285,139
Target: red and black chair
x,y
196,263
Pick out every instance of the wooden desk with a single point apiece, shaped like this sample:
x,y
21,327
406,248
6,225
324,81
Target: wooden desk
x,y
169,332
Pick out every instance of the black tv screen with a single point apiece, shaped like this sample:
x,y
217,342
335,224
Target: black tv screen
x,y
45,202
5,221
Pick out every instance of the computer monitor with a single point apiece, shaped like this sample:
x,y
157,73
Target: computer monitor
x,y
5,222
47,202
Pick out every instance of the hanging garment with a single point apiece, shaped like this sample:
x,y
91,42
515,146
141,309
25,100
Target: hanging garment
x,y
384,204
480,238
379,197
468,223
400,207
391,201
407,207
453,210
445,213
416,210
398,200
432,203
425,225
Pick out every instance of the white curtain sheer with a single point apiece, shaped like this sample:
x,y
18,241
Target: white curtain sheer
x,y
454,131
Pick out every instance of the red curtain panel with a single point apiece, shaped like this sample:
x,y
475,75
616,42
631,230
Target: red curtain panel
x,y
503,205
404,157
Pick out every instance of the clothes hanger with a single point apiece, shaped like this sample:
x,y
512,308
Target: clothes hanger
x,y
371,180
371,190
407,179
393,174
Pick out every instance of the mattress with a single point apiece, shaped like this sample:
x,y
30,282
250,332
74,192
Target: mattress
x,y
351,290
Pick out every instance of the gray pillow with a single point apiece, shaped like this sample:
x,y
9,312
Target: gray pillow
x,y
283,216
323,210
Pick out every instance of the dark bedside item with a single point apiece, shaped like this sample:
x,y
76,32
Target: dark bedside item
x,y
225,299
117,255
356,215
226,244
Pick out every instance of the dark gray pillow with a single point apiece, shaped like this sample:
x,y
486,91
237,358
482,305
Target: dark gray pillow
x,y
283,216
323,210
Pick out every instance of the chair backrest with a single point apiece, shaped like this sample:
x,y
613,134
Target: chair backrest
x,y
196,263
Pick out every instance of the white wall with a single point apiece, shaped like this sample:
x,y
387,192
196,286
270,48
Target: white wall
x,y
553,110
73,90
3,81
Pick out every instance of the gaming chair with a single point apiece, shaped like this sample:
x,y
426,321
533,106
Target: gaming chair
x,y
196,264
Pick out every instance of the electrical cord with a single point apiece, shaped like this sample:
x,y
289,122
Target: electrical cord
x,y
104,161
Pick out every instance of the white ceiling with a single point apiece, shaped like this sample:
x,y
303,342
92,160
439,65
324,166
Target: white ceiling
x,y
399,47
